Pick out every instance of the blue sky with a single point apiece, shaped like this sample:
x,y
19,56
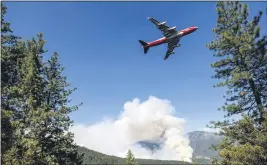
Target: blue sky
x,y
98,45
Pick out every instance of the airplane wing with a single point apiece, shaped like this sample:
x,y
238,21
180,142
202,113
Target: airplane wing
x,y
171,46
166,30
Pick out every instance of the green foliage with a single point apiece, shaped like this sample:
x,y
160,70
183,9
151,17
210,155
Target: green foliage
x,y
130,160
244,63
57,119
243,67
10,52
34,105
245,143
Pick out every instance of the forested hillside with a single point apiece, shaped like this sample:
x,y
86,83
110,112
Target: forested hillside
x,y
93,157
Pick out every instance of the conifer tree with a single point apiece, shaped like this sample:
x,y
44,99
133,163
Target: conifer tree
x,y
243,67
43,137
130,160
30,92
57,141
243,60
35,105
10,53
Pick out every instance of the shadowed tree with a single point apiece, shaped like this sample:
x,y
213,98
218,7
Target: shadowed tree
x,y
11,49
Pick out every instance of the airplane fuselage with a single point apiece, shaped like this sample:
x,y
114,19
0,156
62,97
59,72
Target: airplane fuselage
x,y
178,35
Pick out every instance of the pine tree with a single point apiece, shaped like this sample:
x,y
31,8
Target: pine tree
x,y
43,136
130,160
57,141
244,143
243,67
11,49
34,105
29,92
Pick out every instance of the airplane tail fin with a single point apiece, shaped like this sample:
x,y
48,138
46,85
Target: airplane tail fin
x,y
144,44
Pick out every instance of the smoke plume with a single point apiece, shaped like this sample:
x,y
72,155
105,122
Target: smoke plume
x,y
151,120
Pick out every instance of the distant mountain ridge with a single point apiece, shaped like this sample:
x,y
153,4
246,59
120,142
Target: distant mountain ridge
x,y
200,141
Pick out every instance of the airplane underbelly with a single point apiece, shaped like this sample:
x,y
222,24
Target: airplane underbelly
x,y
178,36
158,42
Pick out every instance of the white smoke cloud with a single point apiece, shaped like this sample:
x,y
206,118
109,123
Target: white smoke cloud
x,y
215,130
151,120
